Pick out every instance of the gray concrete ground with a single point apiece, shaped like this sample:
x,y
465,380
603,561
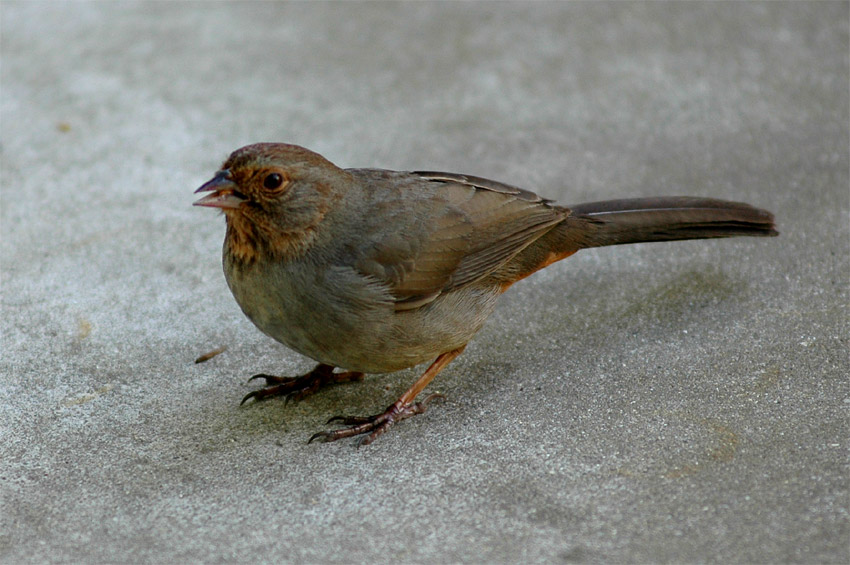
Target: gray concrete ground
x,y
681,402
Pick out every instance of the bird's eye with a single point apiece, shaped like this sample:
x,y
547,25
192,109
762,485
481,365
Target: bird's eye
x,y
273,181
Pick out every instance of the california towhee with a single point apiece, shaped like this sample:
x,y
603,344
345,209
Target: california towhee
x,y
374,271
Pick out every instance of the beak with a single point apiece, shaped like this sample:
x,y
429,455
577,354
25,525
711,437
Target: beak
x,y
224,192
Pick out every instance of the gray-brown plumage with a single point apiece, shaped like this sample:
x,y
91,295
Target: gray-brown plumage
x,y
375,271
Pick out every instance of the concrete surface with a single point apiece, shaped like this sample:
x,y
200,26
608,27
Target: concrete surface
x,y
679,402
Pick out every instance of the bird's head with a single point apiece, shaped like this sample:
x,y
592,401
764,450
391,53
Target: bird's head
x,y
273,196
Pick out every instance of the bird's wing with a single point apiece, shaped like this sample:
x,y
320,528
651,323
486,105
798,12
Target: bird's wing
x,y
440,231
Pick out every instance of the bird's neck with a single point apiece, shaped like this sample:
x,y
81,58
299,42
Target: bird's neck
x,y
247,242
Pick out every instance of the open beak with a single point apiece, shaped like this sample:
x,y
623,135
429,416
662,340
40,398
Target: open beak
x,y
224,192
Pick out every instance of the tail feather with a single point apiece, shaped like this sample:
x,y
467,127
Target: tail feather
x,y
670,218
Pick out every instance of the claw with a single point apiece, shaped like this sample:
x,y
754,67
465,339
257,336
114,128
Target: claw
x,y
375,425
427,400
351,420
401,409
273,379
250,395
297,388
316,436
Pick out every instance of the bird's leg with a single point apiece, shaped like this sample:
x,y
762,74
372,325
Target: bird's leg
x,y
401,409
296,388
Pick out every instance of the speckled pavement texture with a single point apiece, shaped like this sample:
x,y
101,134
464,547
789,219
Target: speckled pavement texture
x,y
681,402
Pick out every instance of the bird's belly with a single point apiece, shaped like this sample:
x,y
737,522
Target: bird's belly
x,y
345,320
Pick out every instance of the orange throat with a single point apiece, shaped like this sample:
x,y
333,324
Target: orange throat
x,y
243,240
247,242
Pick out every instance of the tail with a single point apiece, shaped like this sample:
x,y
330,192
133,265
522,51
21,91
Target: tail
x,y
666,218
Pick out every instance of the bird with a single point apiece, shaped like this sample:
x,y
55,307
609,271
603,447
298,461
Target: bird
x,y
370,270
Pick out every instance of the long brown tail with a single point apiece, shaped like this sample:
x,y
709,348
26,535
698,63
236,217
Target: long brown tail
x,y
666,218
636,220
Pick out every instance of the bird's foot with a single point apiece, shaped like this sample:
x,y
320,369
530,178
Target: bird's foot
x,y
296,388
374,425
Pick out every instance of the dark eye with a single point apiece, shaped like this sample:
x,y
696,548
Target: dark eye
x,y
273,181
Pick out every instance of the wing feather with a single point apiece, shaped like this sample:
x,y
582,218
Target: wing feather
x,y
449,230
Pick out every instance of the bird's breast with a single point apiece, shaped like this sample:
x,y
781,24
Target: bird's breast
x,y
342,318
